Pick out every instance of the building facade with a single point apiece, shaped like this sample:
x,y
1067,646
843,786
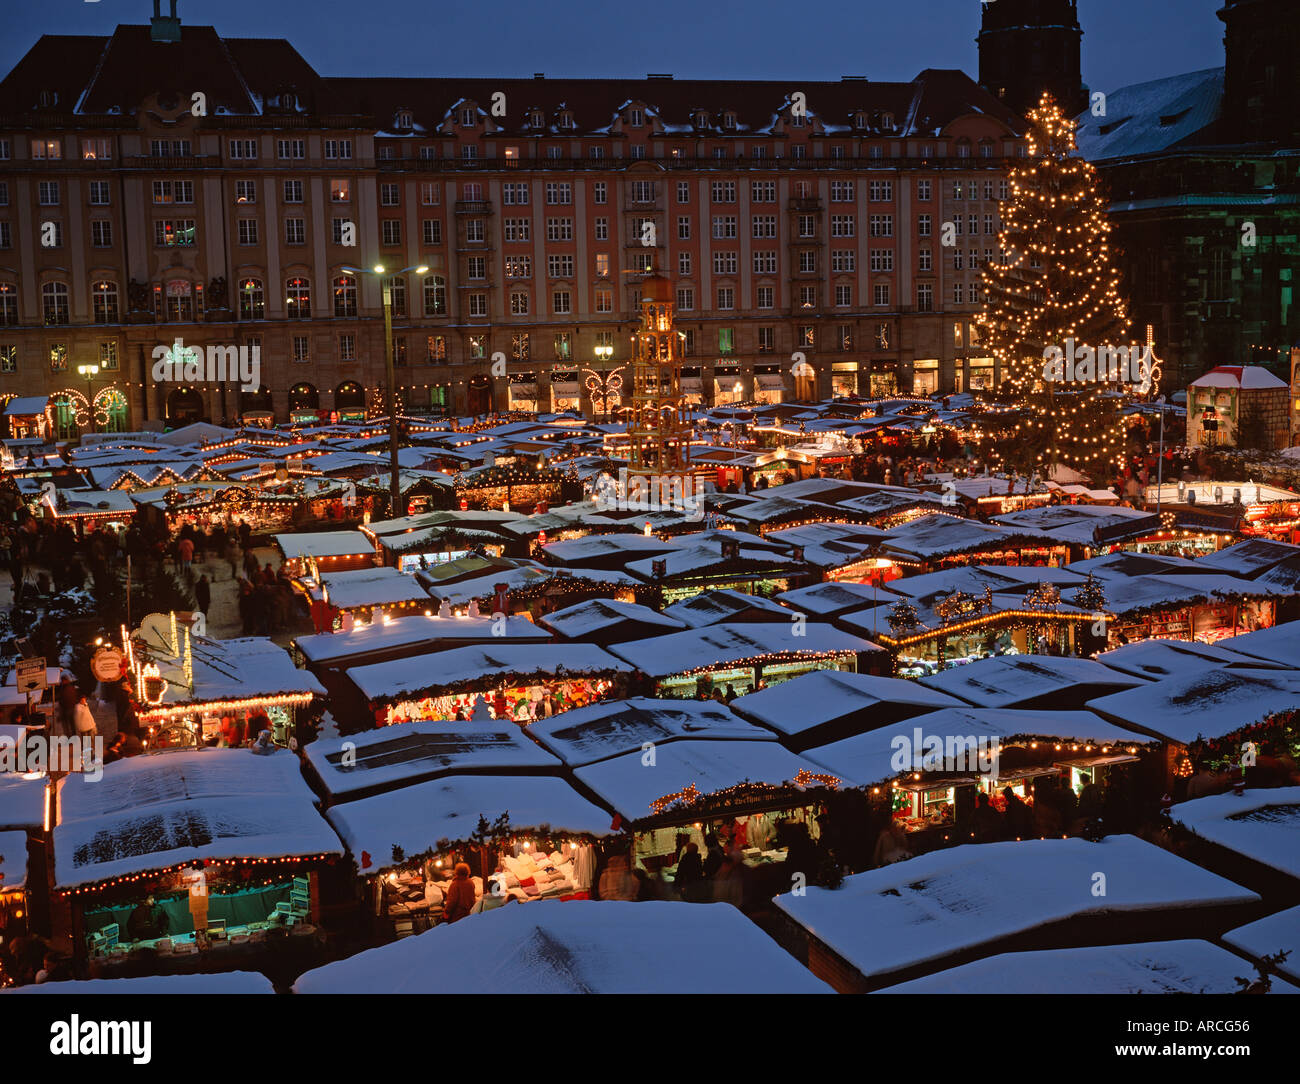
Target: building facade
x,y
1203,171
802,228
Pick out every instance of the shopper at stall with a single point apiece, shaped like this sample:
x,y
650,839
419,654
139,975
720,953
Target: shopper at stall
x,y
713,860
617,882
460,896
690,874
72,717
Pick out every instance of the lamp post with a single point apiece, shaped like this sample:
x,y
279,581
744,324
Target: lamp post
x,y
89,372
390,390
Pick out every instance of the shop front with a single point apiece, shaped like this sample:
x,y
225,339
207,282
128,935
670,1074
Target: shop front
x,y
922,805
769,388
522,393
566,392
925,376
844,379
692,386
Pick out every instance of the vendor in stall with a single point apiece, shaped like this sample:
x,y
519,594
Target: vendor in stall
x,y
148,921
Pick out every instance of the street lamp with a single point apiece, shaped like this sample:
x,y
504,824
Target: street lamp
x,y
89,372
390,391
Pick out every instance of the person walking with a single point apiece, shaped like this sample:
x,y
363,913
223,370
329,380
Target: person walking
x,y
617,882
185,550
203,594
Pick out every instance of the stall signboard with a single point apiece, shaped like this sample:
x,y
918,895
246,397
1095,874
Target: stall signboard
x,y
30,675
106,664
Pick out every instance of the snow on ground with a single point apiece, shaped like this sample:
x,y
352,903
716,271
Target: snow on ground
x,y
1276,933
223,982
940,903
577,947
1157,967
1261,824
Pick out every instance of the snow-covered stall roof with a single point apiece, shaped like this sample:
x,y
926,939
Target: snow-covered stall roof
x,y
382,586
825,696
1153,967
596,615
13,860
920,911
1209,704
405,753
1281,642
612,728
493,663
630,786
1251,557
582,947
1277,933
224,671
1003,681
415,818
940,535
159,810
1262,824
1158,659
1079,523
866,760
324,544
724,644
1127,595
222,982
413,631
697,558
22,801
827,599
522,576
713,607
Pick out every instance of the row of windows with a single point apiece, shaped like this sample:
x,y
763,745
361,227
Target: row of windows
x,y
57,357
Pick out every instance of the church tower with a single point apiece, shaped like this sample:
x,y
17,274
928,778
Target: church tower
x,y
1262,81
1029,46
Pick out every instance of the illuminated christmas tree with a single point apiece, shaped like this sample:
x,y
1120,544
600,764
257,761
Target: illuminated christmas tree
x,y
1055,285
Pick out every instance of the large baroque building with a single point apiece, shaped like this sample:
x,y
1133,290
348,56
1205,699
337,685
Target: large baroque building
x,y
1203,171
239,205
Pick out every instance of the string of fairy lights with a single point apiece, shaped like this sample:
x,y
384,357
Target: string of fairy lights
x,y
1056,282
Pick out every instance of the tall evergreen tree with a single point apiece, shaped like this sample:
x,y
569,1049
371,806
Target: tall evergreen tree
x,y
1055,281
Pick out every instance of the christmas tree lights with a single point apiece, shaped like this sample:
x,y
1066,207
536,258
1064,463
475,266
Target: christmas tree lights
x,y
1055,281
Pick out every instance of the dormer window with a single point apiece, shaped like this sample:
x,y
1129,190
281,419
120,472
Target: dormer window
x,y
566,119
859,119
404,120
887,121
729,120
467,117
701,119
635,118
49,99
798,120
963,148
535,118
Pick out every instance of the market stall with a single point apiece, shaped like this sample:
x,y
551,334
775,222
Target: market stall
x,y
694,662
516,681
135,849
191,690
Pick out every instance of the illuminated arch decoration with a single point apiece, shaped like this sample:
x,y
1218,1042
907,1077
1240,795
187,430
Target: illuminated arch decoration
x,y
605,389
77,403
111,410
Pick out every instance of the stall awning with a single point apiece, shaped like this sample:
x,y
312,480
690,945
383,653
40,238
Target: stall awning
x,y
569,389
523,391
27,404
